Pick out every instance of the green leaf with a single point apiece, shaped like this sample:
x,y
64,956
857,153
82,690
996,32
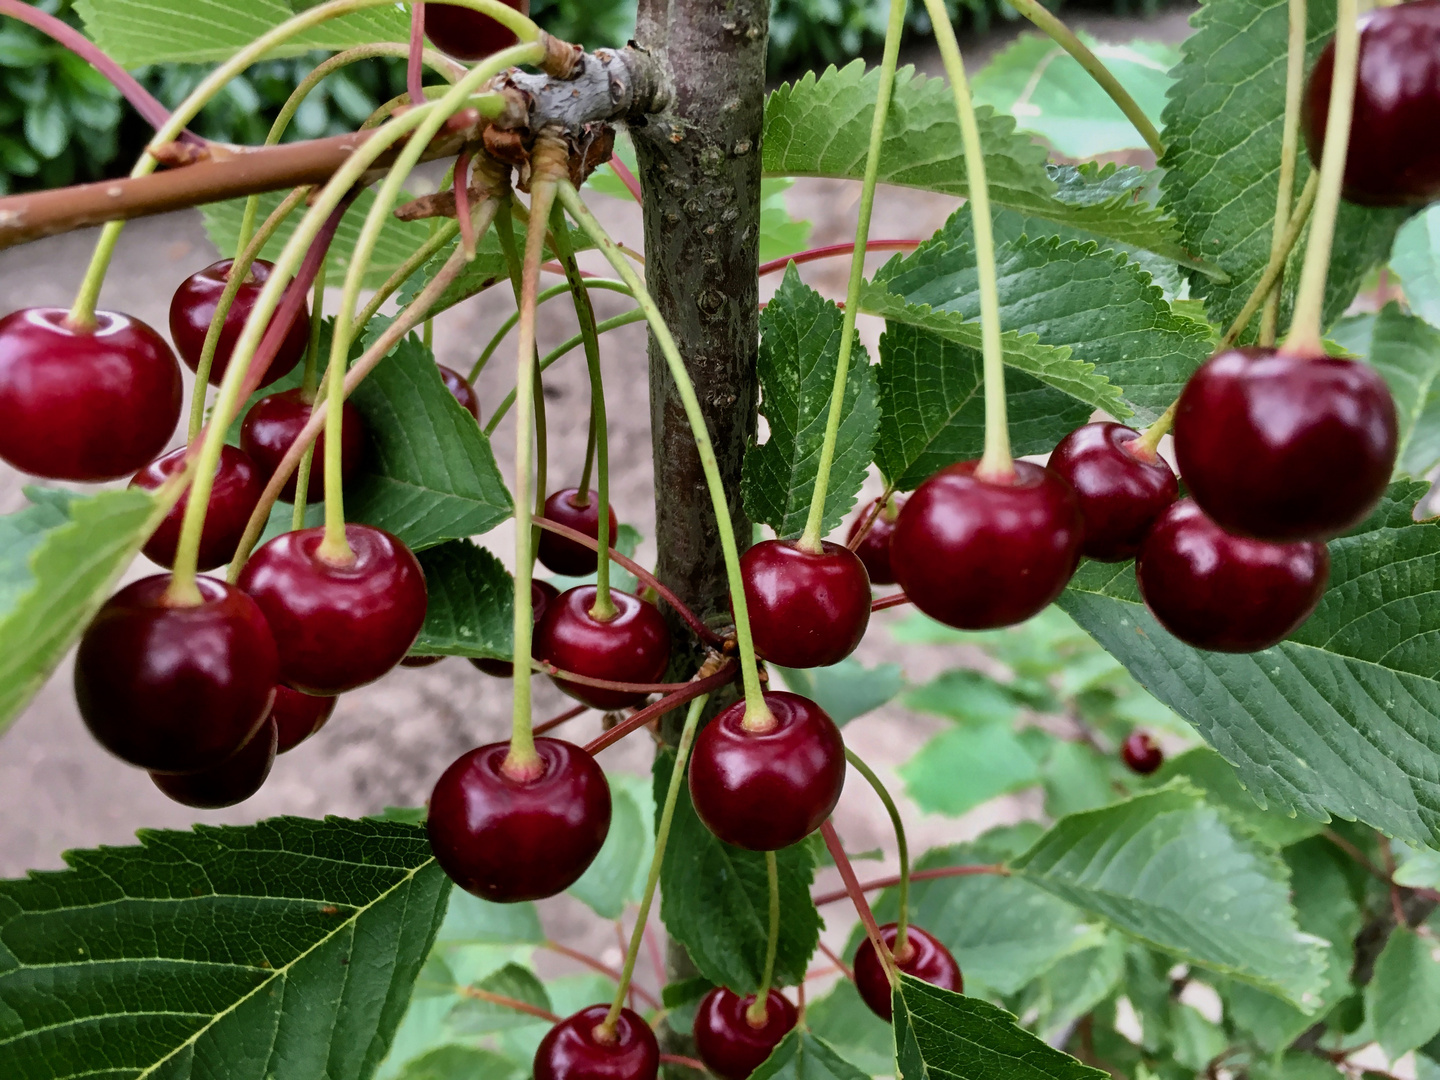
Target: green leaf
x,y
472,603
1402,1001
59,561
617,876
1416,258
1167,869
780,234
1341,718
959,769
1406,351
457,1062
847,689
428,474
802,1055
715,899
1077,777
971,697
843,1020
277,951
1222,159
820,126
940,1035
799,348
473,921
1076,984
474,1016
1215,777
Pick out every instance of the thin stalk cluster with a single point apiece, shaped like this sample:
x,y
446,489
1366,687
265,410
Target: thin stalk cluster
x,y
1289,155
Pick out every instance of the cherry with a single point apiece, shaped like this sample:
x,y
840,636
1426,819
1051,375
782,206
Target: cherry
x,y
232,781
874,550
729,1044
1283,447
806,609
175,689
90,405
297,716
507,839
466,34
979,554
461,390
193,307
421,661
572,1049
1121,488
1397,98
271,427
233,498
925,958
765,790
541,593
561,554
1141,753
632,647
1228,593
338,627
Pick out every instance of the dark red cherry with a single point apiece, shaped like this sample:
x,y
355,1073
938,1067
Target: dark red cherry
x,y
1214,590
925,958
1283,447
806,609
338,627
87,405
1141,753
1121,489
633,647
175,689
506,839
421,661
232,781
979,554
541,593
233,498
575,1050
193,307
874,550
728,1043
1397,98
270,429
565,556
466,34
297,716
461,390
765,790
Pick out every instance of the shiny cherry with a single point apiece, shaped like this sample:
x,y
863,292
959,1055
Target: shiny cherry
x,y
175,689
338,626
765,790
461,390
232,781
573,1049
1141,753
633,647
1121,488
233,498
541,593
297,716
874,549
806,609
1397,98
729,1044
508,839
979,554
271,427
925,958
466,34
1214,590
563,555
193,307
421,661
88,405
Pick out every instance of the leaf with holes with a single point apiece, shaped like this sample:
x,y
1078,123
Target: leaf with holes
x,y
472,603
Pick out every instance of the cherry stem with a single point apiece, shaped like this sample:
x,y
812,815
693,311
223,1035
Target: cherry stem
x,y
857,896
758,1012
836,960
587,470
468,242
626,177
1270,276
662,839
308,384
883,505
893,600
1289,154
831,250
548,294
756,711
1306,325
603,968
669,703
567,715
937,874
684,1062
561,675
414,73
1148,444
812,539
407,269
507,1002
901,924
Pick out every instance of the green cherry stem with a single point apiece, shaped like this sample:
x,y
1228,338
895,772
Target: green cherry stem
x,y
1148,444
757,713
758,1011
662,838
609,284
1306,326
902,923
996,464
1289,154
405,271
812,538
1270,276
308,384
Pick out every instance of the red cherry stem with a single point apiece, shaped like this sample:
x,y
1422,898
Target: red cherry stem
x,y
902,923
1289,153
883,505
836,960
683,1061
567,715
308,384
591,282
916,875
507,1002
626,177
650,581
775,266
669,703
561,675
606,1030
893,600
758,1012
812,539
468,241
603,968
1306,325
857,896
414,73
